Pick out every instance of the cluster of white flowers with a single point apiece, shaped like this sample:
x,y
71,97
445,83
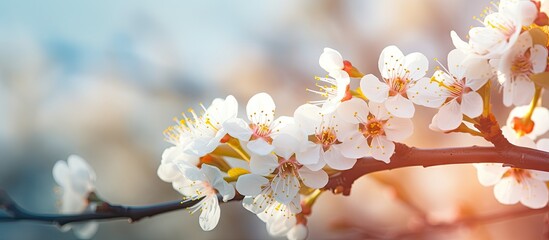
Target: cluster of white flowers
x,y
287,156
515,48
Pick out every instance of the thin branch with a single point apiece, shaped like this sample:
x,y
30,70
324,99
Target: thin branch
x,y
103,212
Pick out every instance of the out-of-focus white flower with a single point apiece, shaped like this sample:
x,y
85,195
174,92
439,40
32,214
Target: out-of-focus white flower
x,y
375,129
456,91
263,128
335,90
200,135
400,75
298,232
540,118
324,144
77,180
204,183
500,31
515,68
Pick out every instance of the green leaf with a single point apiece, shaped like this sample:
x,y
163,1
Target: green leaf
x,y
541,79
538,36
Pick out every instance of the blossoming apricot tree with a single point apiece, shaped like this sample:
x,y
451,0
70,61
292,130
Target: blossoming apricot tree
x,y
327,144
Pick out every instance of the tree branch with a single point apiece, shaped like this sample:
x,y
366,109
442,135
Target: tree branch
x,y
404,156
103,212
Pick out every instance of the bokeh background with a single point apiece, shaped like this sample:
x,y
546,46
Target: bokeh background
x,y
102,79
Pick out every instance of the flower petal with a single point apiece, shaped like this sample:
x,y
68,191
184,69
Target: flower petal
x,y
298,232
330,60
309,155
61,174
308,117
382,149
286,145
260,147
313,179
389,59
209,217
398,129
354,147
82,175
538,58
335,159
250,184
261,108
460,44
400,106
374,89
353,111
263,165
285,187
489,174
534,193
416,65
523,91
426,93
85,230
508,191
449,116
238,128
471,104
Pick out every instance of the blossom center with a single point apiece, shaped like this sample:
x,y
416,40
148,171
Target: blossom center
x,y
326,137
261,130
398,85
522,65
517,173
373,127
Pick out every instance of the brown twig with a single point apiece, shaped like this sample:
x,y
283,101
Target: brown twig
x,y
104,212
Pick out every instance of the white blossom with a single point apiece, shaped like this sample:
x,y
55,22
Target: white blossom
x,y
375,129
200,135
77,180
262,129
204,183
500,31
398,87
324,145
515,68
457,90
513,185
259,199
288,174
